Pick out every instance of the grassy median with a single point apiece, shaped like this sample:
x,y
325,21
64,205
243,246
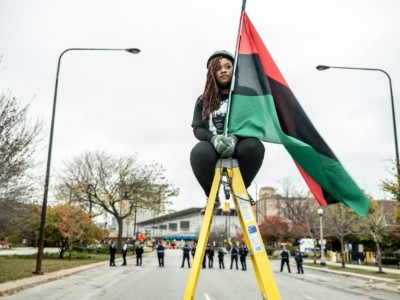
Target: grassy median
x,y
349,269
16,267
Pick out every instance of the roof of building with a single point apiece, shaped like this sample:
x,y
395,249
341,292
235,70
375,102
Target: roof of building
x,y
180,214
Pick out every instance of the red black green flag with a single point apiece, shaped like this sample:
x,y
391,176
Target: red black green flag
x,y
263,106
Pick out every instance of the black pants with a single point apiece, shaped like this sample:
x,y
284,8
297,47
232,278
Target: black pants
x,y
243,262
249,152
161,260
185,256
112,260
285,261
221,262
124,258
210,261
300,267
139,260
234,258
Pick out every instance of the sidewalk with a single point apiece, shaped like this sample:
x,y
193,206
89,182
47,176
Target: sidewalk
x,y
387,284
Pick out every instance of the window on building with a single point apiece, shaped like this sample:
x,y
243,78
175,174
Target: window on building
x,y
173,226
163,226
185,225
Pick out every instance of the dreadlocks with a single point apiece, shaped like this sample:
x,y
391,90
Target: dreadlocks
x,y
211,97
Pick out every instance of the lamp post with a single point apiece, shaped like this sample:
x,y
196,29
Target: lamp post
x,y
323,67
320,213
134,223
39,259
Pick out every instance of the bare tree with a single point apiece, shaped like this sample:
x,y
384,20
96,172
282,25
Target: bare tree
x,y
340,221
295,205
19,137
375,224
116,185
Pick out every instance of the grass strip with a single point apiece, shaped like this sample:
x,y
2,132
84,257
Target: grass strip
x,y
357,271
17,267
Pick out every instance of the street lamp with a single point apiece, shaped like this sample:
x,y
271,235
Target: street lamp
x,y
39,259
323,67
320,213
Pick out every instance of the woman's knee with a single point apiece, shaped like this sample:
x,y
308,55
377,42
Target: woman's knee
x,y
250,146
203,152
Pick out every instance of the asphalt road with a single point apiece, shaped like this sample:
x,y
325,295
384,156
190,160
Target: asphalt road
x,y
153,282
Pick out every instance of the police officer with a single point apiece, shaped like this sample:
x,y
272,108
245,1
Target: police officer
x,y
298,257
186,254
243,253
221,254
193,250
234,256
139,251
210,255
124,252
160,254
113,250
284,254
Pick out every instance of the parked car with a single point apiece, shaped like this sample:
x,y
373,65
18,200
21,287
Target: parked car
x,y
311,250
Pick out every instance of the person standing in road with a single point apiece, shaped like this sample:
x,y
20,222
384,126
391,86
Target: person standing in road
x,y
124,252
160,254
221,254
234,256
193,250
113,250
284,254
186,254
298,257
210,255
205,259
139,251
243,253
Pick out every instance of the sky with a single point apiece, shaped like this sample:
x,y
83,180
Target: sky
x,y
124,104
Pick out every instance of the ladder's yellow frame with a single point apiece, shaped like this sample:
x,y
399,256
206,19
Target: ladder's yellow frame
x,y
259,258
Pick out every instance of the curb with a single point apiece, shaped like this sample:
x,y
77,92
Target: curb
x,y
386,284
11,287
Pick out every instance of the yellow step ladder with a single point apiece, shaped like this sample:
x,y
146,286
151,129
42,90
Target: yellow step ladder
x,y
229,168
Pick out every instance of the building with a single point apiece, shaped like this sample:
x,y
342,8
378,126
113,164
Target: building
x,y
185,225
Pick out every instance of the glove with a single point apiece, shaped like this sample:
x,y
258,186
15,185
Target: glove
x,y
231,142
218,143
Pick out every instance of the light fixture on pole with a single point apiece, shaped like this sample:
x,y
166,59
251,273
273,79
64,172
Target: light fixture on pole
x,y
321,229
39,258
323,67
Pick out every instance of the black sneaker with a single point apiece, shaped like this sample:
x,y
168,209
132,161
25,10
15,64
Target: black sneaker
x,y
217,204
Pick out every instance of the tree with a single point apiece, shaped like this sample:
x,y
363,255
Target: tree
x,y
68,225
274,229
392,186
375,226
297,207
18,140
101,182
340,222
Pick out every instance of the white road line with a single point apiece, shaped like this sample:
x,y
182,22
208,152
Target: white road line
x,y
208,298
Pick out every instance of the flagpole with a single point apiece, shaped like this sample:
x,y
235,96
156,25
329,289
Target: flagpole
x,y
235,65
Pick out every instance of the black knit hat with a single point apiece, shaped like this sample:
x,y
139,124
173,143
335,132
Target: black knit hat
x,y
223,53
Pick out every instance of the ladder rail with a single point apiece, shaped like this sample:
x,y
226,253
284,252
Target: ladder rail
x,y
259,258
202,240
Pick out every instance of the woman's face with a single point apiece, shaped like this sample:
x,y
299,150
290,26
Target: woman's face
x,y
224,72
